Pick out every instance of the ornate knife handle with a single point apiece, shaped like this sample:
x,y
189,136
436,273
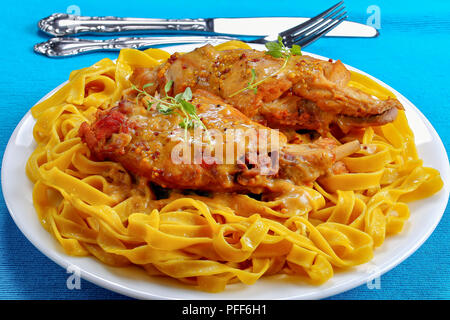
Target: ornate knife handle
x,y
60,47
61,24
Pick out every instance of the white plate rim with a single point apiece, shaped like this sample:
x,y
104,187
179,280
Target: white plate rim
x,y
93,276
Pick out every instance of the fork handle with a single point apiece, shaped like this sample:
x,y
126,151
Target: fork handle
x,y
61,24
60,47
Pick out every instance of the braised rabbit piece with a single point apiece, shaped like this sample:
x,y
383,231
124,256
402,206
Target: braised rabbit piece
x,y
143,138
299,93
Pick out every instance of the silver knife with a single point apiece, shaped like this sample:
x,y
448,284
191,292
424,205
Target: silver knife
x,y
61,24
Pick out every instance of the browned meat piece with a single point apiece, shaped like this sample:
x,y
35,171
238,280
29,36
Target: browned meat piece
x,y
297,113
307,94
144,141
329,90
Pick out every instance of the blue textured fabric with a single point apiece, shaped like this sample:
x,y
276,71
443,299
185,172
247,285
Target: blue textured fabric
x,y
411,54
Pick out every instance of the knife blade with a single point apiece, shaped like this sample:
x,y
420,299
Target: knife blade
x,y
60,24
265,26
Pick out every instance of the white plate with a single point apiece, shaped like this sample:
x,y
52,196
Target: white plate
x,y
133,282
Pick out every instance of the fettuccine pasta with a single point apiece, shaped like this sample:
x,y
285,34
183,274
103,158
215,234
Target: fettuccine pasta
x,y
97,208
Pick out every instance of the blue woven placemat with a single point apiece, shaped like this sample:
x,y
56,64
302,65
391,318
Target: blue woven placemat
x,y
411,54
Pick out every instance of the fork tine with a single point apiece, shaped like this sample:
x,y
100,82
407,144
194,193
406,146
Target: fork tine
x,y
318,26
303,42
311,21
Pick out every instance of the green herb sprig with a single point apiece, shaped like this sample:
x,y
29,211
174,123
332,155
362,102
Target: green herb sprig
x,y
279,50
276,50
179,104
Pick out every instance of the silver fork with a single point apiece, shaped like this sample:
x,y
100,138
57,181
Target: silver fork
x,y
303,35
306,33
